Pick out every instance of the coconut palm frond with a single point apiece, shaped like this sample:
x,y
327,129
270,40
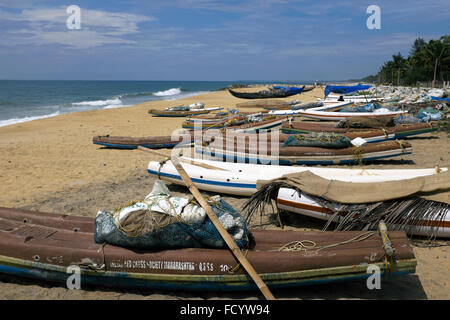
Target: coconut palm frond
x,y
261,198
399,214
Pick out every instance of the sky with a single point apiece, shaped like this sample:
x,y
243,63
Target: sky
x,y
210,40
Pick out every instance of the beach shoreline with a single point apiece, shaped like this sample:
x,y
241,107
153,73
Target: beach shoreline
x,y
52,165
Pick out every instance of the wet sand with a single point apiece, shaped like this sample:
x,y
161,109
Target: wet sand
x,y
51,165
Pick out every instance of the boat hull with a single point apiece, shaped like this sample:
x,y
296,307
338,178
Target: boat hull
x,y
168,113
55,249
155,142
293,201
396,132
228,177
273,153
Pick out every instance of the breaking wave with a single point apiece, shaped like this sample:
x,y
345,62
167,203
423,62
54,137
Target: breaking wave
x,y
99,103
170,92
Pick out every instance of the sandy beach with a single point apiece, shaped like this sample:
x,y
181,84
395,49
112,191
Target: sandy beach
x,y
52,165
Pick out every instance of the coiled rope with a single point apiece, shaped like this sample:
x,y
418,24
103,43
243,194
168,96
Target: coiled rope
x,y
307,245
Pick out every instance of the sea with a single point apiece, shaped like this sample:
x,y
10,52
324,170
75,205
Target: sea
x,y
27,100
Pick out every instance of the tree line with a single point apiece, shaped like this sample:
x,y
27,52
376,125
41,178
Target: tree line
x,y
427,61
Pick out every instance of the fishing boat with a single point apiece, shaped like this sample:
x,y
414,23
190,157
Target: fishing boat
x,y
218,118
280,92
240,178
331,112
151,142
396,132
370,135
50,247
266,123
293,111
229,178
264,103
291,200
184,113
354,96
274,153
222,123
296,106
308,88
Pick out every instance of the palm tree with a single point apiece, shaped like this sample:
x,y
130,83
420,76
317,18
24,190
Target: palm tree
x,y
437,49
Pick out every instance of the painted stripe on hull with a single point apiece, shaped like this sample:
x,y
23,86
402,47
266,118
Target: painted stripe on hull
x,y
207,182
41,271
246,158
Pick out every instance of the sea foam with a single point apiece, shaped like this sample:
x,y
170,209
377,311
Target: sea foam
x,y
9,122
98,103
170,92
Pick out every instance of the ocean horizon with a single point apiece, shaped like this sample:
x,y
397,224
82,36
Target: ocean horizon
x,y
27,100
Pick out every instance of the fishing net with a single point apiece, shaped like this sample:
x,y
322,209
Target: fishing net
x,y
362,122
318,139
179,108
164,221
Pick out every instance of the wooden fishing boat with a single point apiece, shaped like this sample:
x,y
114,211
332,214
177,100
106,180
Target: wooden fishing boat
x,y
267,123
47,246
151,142
399,131
297,112
240,178
228,178
356,97
202,125
291,200
308,88
370,135
263,103
169,113
274,153
329,112
263,94
218,118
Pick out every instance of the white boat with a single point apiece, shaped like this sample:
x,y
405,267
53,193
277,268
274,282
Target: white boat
x,y
320,113
297,112
218,119
361,97
240,178
293,201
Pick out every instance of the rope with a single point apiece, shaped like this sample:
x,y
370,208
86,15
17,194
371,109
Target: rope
x,y
300,245
161,163
93,266
357,151
236,267
402,146
385,133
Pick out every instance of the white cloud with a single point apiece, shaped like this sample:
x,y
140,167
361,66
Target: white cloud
x,y
48,26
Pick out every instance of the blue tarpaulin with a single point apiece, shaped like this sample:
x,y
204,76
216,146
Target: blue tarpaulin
x,y
345,89
294,90
440,99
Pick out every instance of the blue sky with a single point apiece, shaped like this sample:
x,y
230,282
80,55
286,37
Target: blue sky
x,y
210,39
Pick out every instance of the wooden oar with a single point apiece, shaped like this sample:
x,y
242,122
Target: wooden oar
x,y
225,235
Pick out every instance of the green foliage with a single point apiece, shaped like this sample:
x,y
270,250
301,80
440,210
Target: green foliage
x,y
427,61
